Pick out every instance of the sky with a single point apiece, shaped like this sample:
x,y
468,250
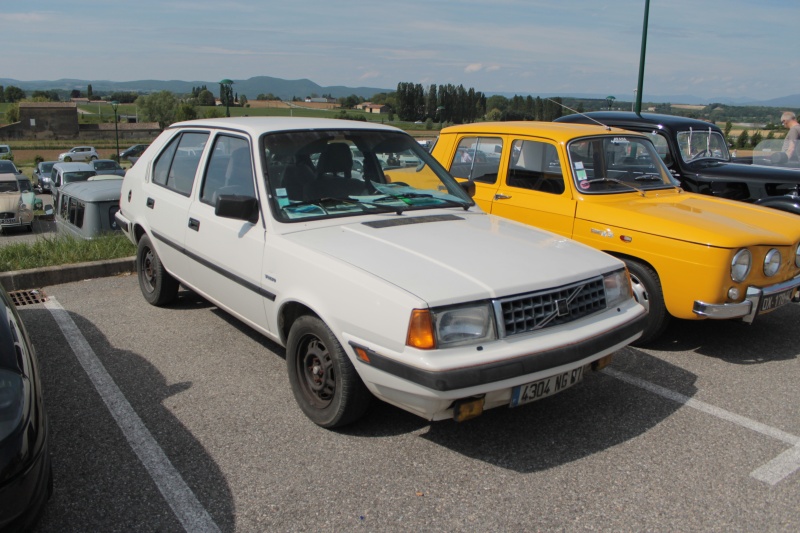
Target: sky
x,y
706,48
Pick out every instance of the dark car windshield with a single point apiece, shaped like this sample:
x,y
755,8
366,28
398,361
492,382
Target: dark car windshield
x,y
45,168
25,185
105,165
331,173
9,186
697,144
7,166
617,164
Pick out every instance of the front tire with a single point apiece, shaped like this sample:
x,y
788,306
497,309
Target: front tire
x,y
325,383
647,291
157,285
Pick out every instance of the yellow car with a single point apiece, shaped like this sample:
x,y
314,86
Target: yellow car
x,y
690,256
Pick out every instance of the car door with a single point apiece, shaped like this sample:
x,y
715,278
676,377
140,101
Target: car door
x,y
227,252
167,197
532,186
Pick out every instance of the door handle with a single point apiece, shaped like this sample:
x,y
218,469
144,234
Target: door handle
x,y
150,203
501,196
194,224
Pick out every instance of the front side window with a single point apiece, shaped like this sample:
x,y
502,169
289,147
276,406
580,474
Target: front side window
x,y
535,166
176,166
332,173
695,145
616,164
229,171
477,159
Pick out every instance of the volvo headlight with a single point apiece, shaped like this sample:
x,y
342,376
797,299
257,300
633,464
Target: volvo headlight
x,y
772,262
740,266
11,402
618,287
456,326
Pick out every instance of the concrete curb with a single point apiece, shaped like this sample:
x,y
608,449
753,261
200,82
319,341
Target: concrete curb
x,y
36,278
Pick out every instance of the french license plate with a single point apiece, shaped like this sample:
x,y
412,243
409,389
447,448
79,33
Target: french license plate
x,y
530,392
8,221
773,301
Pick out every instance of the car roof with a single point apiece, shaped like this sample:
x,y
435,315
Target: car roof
x,y
73,166
561,132
630,118
94,191
256,126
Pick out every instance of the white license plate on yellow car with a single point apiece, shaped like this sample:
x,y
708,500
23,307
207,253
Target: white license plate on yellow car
x,y
774,301
530,392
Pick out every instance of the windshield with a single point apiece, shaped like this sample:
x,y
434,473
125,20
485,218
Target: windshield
x,y
616,164
25,185
70,177
105,165
695,145
331,173
9,186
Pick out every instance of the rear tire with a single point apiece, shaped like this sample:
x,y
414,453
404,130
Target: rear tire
x,y
157,285
325,383
647,291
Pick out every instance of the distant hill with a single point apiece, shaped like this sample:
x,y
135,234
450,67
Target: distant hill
x,y
285,89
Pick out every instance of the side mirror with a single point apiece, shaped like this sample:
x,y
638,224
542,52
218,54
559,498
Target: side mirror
x,y
237,207
469,187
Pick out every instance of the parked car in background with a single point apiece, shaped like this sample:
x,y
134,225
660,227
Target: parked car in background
x,y
79,153
132,153
697,155
26,474
27,193
86,209
5,152
8,167
107,166
14,212
63,173
690,256
381,282
41,175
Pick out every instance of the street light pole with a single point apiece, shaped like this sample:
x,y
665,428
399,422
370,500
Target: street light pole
x,y
114,105
638,109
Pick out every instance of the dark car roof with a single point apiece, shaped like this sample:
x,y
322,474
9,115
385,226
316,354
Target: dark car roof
x,y
629,118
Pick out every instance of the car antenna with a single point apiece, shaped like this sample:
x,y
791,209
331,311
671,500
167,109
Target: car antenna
x,y
608,128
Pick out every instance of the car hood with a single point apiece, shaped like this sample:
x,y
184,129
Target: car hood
x,y
744,172
9,202
694,218
452,258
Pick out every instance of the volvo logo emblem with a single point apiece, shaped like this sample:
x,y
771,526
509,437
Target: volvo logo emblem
x,y
563,307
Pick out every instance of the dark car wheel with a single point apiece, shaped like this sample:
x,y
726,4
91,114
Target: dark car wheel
x,y
157,285
324,382
647,290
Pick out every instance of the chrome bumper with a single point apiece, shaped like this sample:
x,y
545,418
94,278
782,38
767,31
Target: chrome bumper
x,y
756,301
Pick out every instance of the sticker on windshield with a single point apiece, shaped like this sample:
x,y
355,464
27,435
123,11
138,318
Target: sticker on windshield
x,y
584,184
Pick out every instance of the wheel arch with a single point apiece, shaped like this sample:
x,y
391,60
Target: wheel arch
x,y
288,315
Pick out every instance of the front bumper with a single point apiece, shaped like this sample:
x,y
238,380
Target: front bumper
x,y
757,300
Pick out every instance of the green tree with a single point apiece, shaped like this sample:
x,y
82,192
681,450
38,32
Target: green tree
x,y
12,114
727,130
14,94
214,112
89,93
756,138
243,100
158,107
185,111
205,98
742,139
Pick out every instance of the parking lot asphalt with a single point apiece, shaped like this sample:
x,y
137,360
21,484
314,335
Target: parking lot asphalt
x,y
181,418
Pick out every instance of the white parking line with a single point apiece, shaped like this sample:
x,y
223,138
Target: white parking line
x,y
191,514
773,472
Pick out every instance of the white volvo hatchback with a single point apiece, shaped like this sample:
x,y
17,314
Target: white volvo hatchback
x,y
379,275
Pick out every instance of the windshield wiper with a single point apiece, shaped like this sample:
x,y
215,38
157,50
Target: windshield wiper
x,y
614,180
409,197
649,177
329,201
